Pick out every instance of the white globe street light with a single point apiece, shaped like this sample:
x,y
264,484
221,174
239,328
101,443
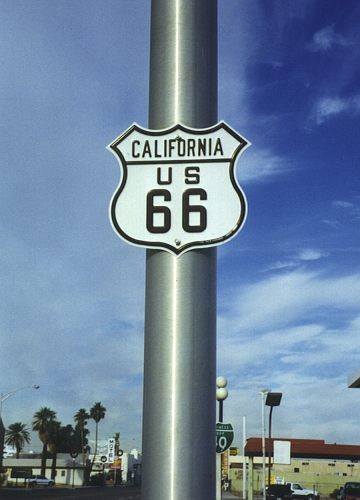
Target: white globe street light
x,y
221,382
221,394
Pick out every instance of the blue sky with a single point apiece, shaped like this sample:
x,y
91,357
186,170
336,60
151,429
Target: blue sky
x,y
74,76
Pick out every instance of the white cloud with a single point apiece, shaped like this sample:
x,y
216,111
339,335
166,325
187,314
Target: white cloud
x,y
329,107
305,255
260,165
279,333
327,39
311,254
342,204
282,300
349,208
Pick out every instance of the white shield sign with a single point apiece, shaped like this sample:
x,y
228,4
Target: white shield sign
x,y
178,189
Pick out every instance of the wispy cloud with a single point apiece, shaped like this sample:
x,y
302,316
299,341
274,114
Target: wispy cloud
x,y
260,165
326,39
348,207
264,334
309,254
329,107
305,255
283,299
342,204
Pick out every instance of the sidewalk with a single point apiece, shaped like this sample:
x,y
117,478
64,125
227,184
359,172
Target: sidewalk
x,y
228,495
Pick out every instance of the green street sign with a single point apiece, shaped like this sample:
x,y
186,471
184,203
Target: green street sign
x,y
224,436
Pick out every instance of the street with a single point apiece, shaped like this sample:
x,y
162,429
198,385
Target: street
x,y
107,493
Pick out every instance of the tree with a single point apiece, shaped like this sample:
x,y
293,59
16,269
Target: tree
x,y
42,422
16,436
62,439
54,440
81,418
97,413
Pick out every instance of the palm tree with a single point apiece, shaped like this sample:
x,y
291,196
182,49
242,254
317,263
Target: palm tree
x,y
16,436
54,441
97,412
42,421
81,418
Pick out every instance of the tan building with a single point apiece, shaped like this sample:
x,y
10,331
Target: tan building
x,y
313,463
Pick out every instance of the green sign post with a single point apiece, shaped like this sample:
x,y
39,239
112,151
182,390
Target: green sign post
x,y
224,436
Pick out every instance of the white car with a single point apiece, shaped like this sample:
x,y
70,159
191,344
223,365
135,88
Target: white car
x,y
39,480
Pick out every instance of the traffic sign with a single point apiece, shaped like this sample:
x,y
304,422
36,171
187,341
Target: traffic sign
x,y
103,459
224,436
178,189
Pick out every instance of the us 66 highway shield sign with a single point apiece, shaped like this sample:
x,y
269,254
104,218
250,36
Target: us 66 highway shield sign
x,y
178,189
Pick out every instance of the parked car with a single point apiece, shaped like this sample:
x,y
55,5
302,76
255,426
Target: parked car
x,y
350,491
300,492
38,480
278,492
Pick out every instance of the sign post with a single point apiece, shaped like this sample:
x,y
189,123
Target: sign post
x,y
179,198
180,307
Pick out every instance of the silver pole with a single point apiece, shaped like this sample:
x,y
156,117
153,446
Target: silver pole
x,y
180,309
244,458
263,393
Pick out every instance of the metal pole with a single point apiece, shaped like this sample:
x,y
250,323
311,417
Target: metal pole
x,y
73,475
219,457
269,446
244,458
221,411
180,310
263,393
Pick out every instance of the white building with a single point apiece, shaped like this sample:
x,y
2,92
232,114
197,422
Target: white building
x,y
69,471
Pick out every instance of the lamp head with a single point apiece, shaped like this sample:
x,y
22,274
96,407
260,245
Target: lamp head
x,y
221,382
273,398
221,393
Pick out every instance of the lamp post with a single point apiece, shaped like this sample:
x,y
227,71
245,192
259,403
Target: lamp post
x,y
263,393
272,399
221,395
4,397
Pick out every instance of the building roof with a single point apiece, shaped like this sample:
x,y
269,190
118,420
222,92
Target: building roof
x,y
307,448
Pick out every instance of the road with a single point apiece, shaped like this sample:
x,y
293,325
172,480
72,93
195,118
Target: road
x,y
92,493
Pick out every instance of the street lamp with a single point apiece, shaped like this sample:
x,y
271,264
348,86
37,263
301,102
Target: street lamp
x,y
263,393
4,397
272,399
221,395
